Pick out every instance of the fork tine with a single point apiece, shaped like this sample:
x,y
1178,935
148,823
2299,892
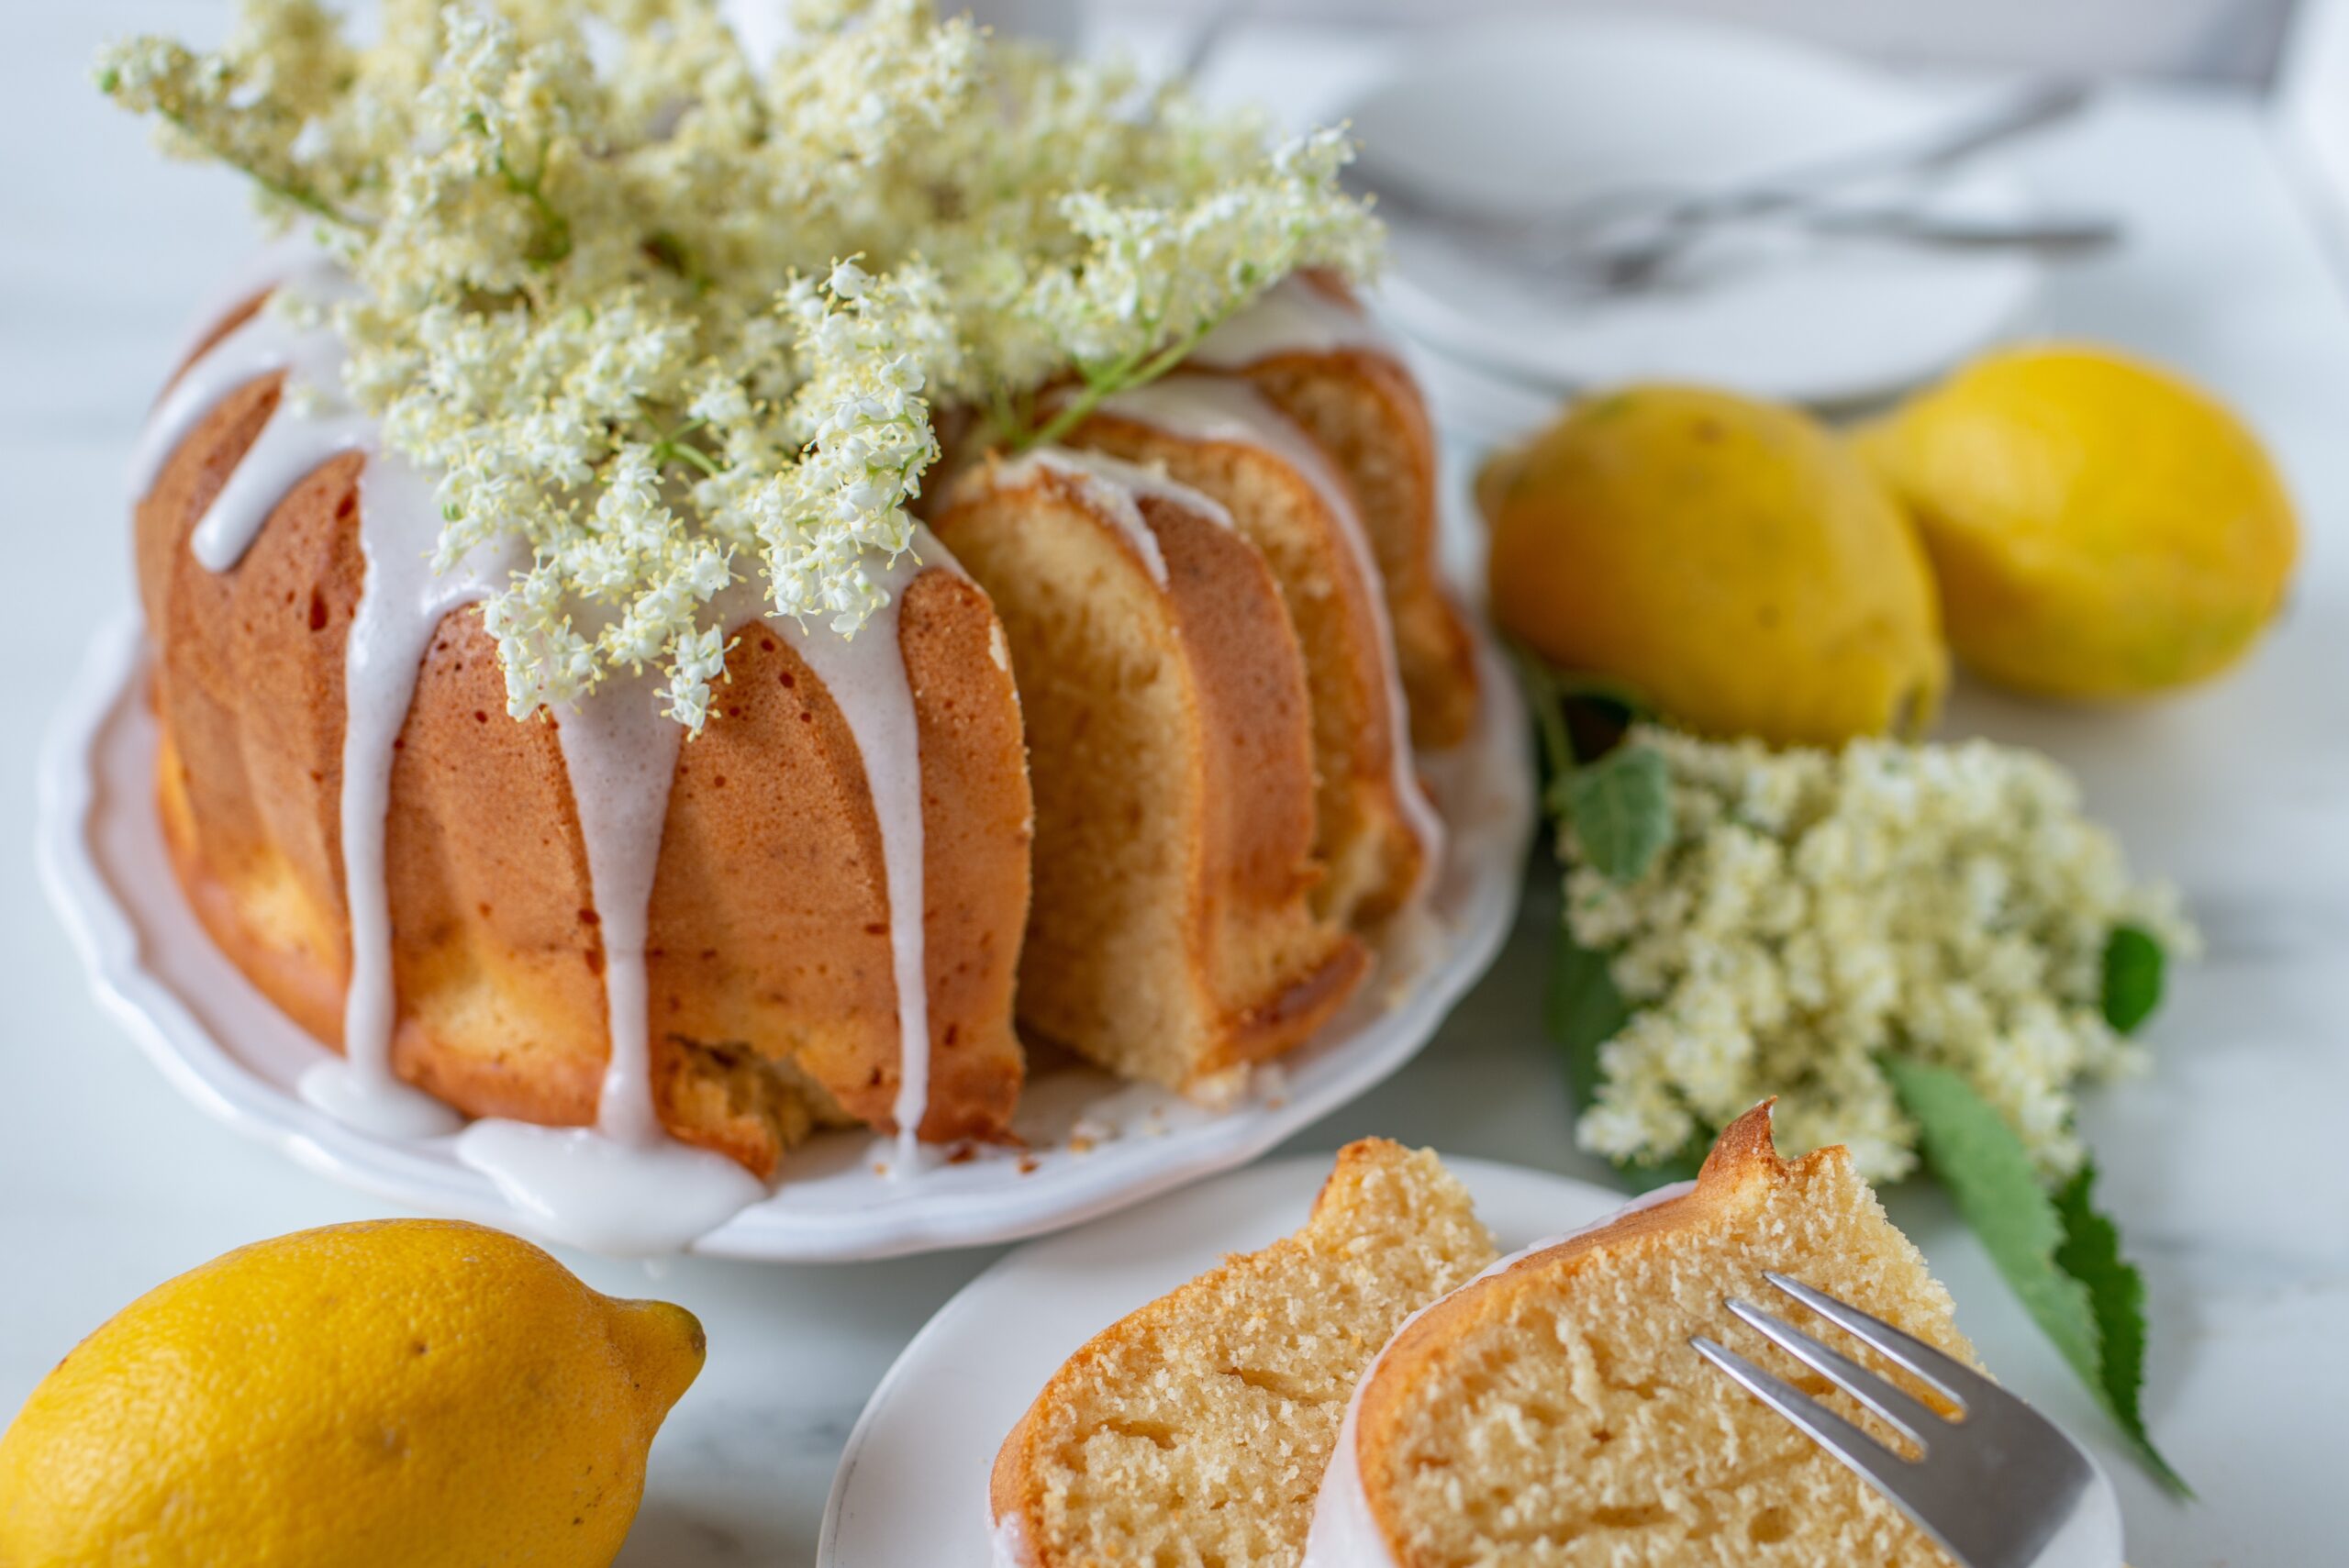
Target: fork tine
x,y
1911,1417
1947,1375
1877,1464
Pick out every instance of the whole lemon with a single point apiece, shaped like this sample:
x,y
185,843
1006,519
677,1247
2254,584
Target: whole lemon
x,y
414,1393
1728,559
2100,527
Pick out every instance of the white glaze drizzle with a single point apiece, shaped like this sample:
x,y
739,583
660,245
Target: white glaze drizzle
x,y
1222,410
1295,316
1114,488
1345,1533
625,1185
400,604
866,677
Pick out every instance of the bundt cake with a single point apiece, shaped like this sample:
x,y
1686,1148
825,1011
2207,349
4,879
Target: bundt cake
x,y
531,920
1171,695
1172,936
1196,1429
1555,1411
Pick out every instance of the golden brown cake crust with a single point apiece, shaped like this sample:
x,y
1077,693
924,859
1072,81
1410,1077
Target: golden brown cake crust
x,y
769,956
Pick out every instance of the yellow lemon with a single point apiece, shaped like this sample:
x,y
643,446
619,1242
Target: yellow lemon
x,y
409,1393
1728,559
2100,527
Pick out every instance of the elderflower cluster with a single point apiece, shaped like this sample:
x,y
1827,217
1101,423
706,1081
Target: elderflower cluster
x,y
1814,909
668,316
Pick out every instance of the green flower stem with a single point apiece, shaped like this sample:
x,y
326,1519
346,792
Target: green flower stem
x,y
1124,376
301,196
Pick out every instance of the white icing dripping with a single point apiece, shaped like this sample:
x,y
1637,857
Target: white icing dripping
x,y
1220,409
1295,316
585,1188
624,1187
866,677
1113,487
1345,1533
401,605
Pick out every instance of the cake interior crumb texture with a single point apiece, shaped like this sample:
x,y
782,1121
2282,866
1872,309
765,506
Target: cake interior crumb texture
x,y
1556,1414
1194,1433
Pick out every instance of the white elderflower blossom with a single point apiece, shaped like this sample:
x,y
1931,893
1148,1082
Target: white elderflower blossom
x,y
1815,909
664,316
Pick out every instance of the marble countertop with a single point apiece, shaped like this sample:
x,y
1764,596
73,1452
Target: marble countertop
x,y
2225,1164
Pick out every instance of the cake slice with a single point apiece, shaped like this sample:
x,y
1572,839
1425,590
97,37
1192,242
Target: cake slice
x,y
1309,346
1554,1413
1195,1430
1172,936
1373,831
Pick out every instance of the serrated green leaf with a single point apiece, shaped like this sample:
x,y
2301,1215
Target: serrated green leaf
x,y
1583,1009
1620,809
2096,1321
2133,977
2090,1253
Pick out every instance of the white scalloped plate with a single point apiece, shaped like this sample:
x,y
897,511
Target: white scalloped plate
x,y
1094,1144
912,1483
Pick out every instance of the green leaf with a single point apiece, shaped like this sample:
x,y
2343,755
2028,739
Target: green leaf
x,y
2133,977
2090,1253
2059,1256
1584,1010
1620,809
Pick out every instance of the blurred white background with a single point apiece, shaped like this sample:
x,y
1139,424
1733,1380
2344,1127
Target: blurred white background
x,y
2236,41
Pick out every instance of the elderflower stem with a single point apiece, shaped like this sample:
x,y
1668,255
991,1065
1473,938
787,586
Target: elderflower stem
x,y
299,196
1122,377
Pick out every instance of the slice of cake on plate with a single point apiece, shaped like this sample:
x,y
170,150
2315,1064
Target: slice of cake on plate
x,y
1196,1429
1554,1413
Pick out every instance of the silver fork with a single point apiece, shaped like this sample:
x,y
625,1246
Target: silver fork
x,y
1999,1484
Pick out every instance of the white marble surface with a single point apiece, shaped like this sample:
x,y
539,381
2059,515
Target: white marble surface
x,y
2226,1166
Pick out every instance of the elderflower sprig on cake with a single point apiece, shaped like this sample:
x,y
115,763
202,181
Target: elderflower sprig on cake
x,y
670,316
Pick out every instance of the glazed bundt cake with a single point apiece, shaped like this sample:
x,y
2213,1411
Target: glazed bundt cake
x,y
280,562
1554,1412
1172,936
1171,696
1196,1429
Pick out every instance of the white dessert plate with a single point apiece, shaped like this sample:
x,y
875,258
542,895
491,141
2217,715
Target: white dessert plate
x,y
1531,115
1093,1144
912,1485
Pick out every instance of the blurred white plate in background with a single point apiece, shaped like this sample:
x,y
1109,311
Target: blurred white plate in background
x,y
1531,116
